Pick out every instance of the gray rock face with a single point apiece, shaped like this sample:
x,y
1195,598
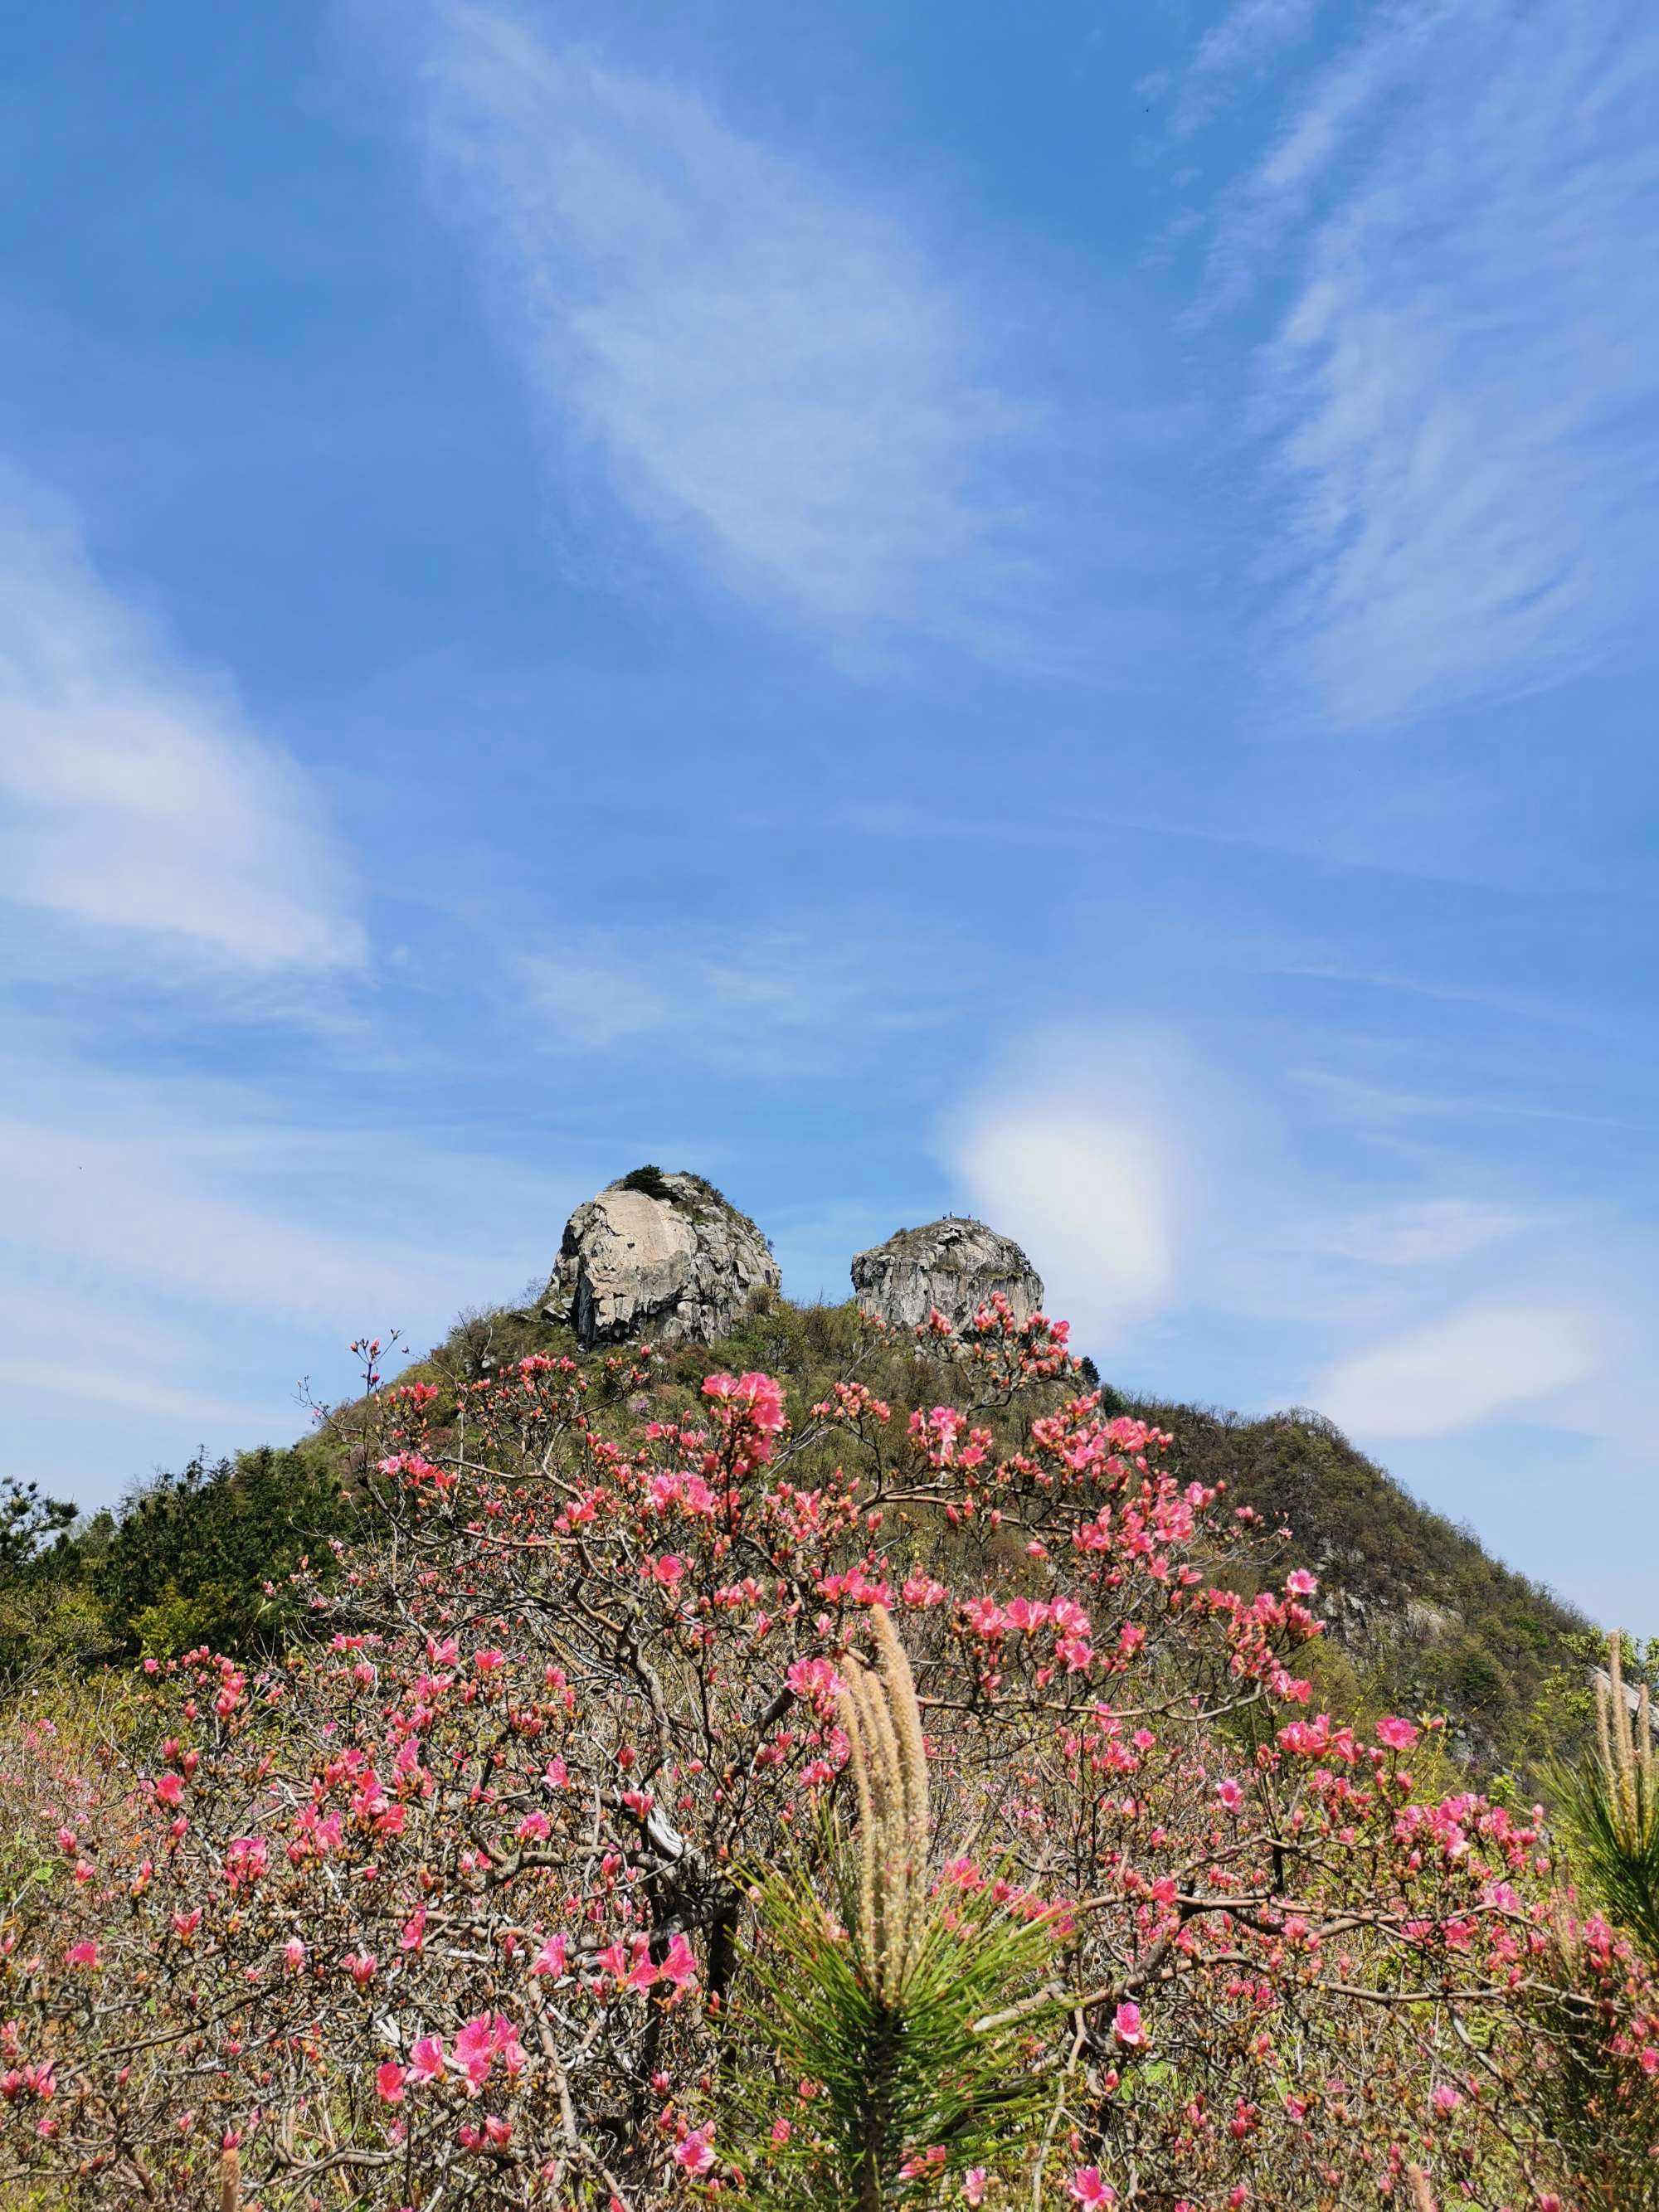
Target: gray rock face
x,y
665,1258
955,1265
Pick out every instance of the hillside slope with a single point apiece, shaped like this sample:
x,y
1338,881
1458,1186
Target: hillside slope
x,y
1430,1621
1424,1619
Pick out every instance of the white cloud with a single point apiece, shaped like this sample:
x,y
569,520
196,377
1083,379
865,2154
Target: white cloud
x,y
1477,1362
1091,1188
138,799
1463,384
771,368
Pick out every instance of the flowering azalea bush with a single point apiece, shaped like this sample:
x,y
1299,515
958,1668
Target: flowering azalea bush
x,y
452,1904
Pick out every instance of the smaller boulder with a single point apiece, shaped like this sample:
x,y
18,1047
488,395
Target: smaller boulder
x,y
955,1265
660,1255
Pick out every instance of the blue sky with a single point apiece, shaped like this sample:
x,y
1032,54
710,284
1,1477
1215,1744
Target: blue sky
x,y
1039,611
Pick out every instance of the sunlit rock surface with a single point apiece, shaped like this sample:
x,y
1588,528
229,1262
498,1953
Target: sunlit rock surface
x,y
655,1255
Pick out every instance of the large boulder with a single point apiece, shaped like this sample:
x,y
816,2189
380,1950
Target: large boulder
x,y
956,1265
658,1256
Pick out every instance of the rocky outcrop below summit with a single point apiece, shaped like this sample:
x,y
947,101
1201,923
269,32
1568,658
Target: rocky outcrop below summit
x,y
660,1255
956,1265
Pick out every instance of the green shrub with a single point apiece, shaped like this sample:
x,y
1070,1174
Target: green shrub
x,y
203,1556
650,1181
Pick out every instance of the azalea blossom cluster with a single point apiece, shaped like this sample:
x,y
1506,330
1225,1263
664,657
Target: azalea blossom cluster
x,y
449,1906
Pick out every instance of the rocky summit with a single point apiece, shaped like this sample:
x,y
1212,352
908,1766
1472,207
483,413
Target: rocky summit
x,y
656,1254
956,1265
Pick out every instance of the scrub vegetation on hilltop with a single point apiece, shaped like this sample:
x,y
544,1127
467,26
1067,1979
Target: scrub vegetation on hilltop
x,y
1425,1619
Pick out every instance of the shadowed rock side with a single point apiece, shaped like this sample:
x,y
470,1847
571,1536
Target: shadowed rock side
x,y
956,1265
658,1256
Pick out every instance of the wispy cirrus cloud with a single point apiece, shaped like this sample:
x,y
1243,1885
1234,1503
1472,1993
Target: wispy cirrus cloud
x,y
1463,385
68,1353
173,1253
775,371
1428,1232
721,994
222,1199
185,1404
1466,1368
141,807
161,1206
1250,35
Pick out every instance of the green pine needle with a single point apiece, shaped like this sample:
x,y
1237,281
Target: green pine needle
x,y
911,2081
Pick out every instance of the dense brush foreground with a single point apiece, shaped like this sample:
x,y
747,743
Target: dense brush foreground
x,y
497,1861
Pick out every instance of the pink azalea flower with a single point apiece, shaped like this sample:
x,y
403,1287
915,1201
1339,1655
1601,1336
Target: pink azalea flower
x,y
812,1678
1127,2025
1398,1735
696,2153
247,1859
1230,1793
973,2185
481,2042
550,1959
389,2084
758,1395
1088,2188
680,1967
82,1954
426,2059
473,2053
